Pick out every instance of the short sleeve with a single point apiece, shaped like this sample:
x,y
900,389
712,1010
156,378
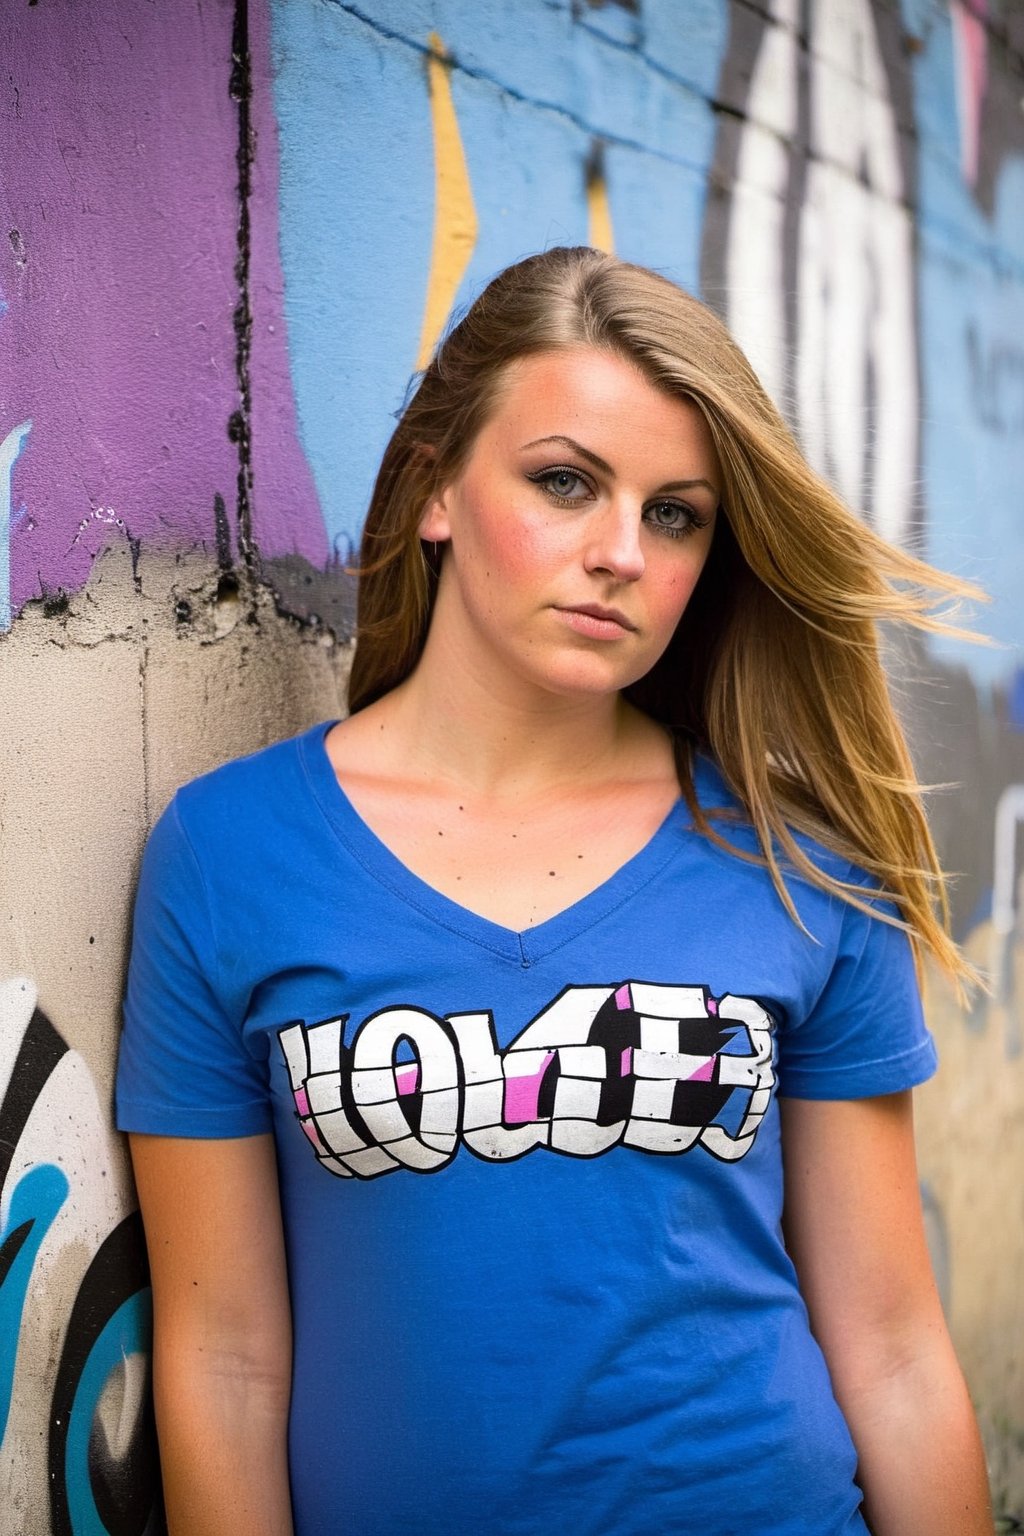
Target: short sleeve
x,y
866,1033
184,1068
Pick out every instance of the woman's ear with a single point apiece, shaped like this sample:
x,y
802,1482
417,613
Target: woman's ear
x,y
435,526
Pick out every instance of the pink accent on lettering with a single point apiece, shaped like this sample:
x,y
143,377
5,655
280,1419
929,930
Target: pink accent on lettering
x,y
712,1005
626,1062
310,1130
407,1077
522,1095
622,997
704,1073
970,61
302,1102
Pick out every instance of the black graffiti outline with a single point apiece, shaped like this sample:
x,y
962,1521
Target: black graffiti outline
x,y
130,1505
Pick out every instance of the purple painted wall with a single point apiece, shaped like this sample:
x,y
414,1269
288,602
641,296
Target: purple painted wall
x,y
118,218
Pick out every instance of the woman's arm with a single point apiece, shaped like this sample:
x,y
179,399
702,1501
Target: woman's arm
x,y
222,1332
856,1235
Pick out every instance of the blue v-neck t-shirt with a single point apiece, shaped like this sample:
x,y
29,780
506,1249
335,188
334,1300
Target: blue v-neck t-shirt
x,y
531,1182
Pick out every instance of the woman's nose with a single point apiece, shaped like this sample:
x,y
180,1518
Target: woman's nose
x,y
614,545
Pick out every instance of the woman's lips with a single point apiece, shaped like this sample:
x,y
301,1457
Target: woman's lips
x,y
597,622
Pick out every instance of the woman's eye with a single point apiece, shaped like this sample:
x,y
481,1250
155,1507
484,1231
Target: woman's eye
x,y
673,517
565,484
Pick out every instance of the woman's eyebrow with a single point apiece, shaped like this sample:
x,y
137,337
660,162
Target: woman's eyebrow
x,y
687,485
599,463
569,442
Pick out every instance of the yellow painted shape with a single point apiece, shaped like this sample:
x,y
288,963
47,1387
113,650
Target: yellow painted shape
x,y
455,224
599,216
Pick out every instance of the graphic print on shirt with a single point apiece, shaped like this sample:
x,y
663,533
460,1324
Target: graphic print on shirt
x,y
655,1067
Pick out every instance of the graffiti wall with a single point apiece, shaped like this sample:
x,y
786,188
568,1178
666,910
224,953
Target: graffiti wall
x,y
209,317
136,648
75,1419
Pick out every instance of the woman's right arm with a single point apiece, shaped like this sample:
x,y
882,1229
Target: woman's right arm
x,y
222,1332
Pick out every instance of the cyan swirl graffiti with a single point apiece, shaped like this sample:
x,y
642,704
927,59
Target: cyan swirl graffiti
x,y
94,1489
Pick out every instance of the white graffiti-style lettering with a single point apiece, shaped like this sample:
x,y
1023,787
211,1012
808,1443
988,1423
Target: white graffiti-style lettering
x,y
654,1067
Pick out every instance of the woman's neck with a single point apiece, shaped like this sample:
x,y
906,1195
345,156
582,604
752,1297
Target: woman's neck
x,y
498,746
442,724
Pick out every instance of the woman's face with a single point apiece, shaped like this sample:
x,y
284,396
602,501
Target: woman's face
x,y
577,529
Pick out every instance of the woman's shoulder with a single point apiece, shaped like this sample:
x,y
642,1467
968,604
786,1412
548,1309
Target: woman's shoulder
x,y
729,816
253,784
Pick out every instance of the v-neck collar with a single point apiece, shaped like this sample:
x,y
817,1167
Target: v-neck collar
x,y
521,947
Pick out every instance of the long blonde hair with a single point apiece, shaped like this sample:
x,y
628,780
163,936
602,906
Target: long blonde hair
x,y
775,666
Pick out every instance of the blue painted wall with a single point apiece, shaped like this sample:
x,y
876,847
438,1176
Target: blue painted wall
x,y
542,89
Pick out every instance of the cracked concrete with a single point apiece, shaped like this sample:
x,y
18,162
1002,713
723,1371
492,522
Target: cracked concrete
x,y
108,705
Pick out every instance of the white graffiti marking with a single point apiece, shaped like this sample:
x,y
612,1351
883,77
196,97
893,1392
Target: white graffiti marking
x,y
654,1067
854,396
9,450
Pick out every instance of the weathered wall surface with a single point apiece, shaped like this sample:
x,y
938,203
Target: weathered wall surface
x,y
229,234
138,650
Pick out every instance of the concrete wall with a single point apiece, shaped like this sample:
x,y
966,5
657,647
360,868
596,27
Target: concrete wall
x,y
229,233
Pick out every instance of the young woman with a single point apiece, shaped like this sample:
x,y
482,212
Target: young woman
x,y
468,1075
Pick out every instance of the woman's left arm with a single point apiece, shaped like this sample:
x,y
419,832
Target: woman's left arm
x,y
855,1232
